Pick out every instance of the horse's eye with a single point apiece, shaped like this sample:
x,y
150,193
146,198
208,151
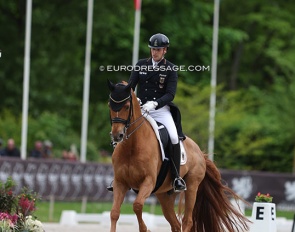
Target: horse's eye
x,y
127,107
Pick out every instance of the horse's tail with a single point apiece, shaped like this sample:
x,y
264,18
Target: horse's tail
x,y
213,210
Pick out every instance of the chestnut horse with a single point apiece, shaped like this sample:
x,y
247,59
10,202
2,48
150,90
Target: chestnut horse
x,y
137,161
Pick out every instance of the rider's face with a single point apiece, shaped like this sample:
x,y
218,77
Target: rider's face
x,y
158,53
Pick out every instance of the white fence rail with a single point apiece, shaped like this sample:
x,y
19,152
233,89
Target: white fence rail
x,y
71,217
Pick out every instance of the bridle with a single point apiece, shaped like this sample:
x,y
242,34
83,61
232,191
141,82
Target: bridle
x,y
127,122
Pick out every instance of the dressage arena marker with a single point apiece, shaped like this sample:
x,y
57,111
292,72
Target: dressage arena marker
x,y
263,217
71,217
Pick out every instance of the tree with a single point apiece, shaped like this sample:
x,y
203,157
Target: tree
x,y
255,70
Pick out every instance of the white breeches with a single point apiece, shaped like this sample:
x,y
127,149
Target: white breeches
x,y
163,115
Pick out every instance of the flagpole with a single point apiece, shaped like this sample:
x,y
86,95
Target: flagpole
x,y
137,6
86,82
26,80
213,81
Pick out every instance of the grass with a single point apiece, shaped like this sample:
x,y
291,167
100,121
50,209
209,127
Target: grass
x,y
43,213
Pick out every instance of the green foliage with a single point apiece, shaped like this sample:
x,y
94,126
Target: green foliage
x,y
267,49
248,130
8,202
47,126
263,198
254,126
10,126
193,102
253,140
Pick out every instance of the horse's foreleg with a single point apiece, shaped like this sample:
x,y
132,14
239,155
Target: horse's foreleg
x,y
167,204
119,194
143,194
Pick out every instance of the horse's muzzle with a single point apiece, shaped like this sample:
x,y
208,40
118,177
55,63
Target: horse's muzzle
x,y
117,137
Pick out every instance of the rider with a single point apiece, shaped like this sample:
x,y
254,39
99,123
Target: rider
x,y
156,81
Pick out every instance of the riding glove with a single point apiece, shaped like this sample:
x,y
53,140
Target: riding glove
x,y
150,105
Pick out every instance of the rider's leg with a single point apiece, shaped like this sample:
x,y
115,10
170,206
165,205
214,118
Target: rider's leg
x,y
178,183
163,115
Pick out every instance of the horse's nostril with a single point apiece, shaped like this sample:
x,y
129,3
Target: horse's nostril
x,y
121,136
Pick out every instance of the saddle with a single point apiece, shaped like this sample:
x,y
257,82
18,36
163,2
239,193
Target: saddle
x,y
164,140
166,149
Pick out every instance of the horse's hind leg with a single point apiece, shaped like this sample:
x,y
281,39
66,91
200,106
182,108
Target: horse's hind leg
x,y
167,204
119,194
193,180
190,199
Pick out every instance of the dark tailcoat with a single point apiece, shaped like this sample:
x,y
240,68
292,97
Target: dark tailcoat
x,y
157,84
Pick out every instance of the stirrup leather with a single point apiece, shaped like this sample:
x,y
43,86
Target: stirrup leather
x,y
182,182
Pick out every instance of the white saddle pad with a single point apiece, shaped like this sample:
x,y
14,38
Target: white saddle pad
x,y
156,128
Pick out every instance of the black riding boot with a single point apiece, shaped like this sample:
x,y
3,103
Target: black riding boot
x,y
178,183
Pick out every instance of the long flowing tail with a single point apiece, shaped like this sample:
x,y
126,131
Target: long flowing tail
x,y
213,211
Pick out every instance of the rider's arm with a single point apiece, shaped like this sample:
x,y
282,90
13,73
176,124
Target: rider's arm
x,y
170,89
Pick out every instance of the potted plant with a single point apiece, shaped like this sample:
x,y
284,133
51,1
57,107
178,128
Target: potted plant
x,y
16,211
263,198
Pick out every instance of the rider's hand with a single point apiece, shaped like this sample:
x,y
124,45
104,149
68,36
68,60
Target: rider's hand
x,y
139,101
150,105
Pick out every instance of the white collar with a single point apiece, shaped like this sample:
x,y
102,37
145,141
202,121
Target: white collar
x,y
156,63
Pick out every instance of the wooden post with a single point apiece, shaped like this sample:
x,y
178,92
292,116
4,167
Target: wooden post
x,y
293,227
51,207
153,206
84,204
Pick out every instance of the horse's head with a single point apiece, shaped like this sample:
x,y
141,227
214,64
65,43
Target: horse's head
x,y
121,108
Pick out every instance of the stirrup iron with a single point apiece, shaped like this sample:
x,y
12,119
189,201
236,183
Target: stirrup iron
x,y
174,185
110,188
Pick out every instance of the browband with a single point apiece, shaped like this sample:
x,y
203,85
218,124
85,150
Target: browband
x,y
120,100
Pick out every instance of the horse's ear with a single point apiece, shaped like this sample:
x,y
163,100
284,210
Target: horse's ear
x,y
111,85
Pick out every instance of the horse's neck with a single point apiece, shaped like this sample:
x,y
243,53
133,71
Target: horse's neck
x,y
139,124
139,127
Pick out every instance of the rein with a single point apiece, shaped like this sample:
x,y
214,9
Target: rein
x,y
136,128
